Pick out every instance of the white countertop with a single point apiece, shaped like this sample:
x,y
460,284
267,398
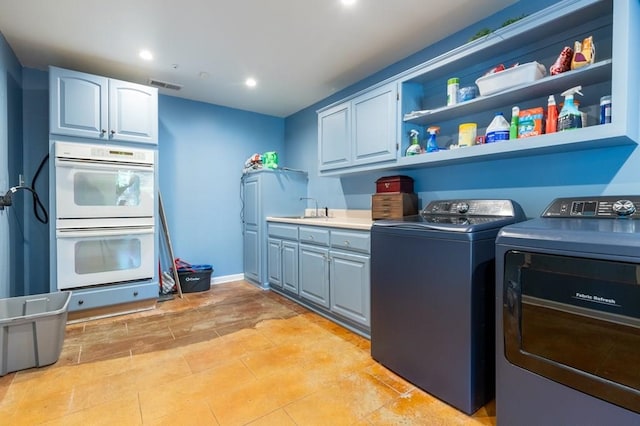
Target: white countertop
x,y
350,219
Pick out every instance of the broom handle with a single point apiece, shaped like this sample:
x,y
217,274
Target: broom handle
x,y
167,238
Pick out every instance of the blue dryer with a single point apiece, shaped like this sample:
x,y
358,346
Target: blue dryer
x,y
568,315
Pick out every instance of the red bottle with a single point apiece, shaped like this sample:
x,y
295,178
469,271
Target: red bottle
x,y
552,116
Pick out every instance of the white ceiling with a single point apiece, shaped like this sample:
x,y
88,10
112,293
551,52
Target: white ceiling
x,y
299,51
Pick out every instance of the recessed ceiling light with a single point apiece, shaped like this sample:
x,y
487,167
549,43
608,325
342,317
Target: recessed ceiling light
x,y
251,82
146,55
348,2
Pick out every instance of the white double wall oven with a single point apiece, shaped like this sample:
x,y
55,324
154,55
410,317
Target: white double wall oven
x,y
105,214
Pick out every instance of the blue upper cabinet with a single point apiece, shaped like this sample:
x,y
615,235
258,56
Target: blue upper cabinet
x,y
374,125
133,112
334,136
78,103
539,37
89,106
360,131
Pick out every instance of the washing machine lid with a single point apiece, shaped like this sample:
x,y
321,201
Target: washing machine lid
x,y
460,215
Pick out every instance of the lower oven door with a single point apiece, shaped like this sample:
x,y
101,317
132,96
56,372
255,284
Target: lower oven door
x,y
94,256
575,321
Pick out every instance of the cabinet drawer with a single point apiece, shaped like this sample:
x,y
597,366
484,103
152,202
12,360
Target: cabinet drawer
x,y
289,232
393,205
346,240
314,236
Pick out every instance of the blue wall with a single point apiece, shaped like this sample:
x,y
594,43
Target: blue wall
x,y
35,103
533,181
202,150
11,255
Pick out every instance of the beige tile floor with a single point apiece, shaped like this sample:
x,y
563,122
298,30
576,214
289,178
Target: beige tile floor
x,y
233,355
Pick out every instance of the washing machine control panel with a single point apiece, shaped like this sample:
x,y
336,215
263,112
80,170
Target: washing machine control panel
x,y
601,207
496,208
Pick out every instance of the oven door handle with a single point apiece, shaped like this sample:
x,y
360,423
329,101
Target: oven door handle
x,y
102,232
103,165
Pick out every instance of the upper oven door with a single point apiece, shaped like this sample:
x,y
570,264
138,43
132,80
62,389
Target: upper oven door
x,y
576,321
103,189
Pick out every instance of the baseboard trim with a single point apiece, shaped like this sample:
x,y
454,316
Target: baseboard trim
x,y
226,279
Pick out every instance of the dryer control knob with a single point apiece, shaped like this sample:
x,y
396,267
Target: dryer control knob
x,y
624,207
462,207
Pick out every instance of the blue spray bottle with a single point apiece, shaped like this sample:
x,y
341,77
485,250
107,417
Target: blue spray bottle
x,y
570,117
432,146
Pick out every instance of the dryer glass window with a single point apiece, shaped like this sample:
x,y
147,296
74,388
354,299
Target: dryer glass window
x,y
576,321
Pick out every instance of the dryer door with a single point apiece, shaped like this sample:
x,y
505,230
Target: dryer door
x,y
575,321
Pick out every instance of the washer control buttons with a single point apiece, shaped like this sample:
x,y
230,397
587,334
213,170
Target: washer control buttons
x,y
462,207
624,207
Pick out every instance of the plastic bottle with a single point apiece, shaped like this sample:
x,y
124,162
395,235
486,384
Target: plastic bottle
x,y
414,147
552,116
570,117
605,109
432,146
453,84
498,129
513,128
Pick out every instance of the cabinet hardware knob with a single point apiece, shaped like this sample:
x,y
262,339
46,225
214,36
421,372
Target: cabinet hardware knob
x,y
346,243
80,302
113,132
135,293
103,131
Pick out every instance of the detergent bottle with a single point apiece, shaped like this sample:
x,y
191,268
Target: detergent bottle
x,y
570,117
432,146
498,129
414,147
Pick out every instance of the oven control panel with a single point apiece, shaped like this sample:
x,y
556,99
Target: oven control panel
x,y
600,207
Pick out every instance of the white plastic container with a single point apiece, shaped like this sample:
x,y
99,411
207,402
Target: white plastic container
x,y
498,129
511,77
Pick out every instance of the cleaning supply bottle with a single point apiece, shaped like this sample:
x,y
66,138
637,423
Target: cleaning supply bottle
x,y
513,128
498,129
432,146
570,117
552,115
414,147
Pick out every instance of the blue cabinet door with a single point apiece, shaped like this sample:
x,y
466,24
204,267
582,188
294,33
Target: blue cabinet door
x,y
334,137
252,253
78,104
290,266
274,262
314,274
374,125
350,289
133,112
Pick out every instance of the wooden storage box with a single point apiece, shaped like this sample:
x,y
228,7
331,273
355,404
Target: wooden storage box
x,y
393,205
394,184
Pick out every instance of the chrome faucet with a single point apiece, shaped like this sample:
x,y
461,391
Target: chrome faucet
x,y
314,200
